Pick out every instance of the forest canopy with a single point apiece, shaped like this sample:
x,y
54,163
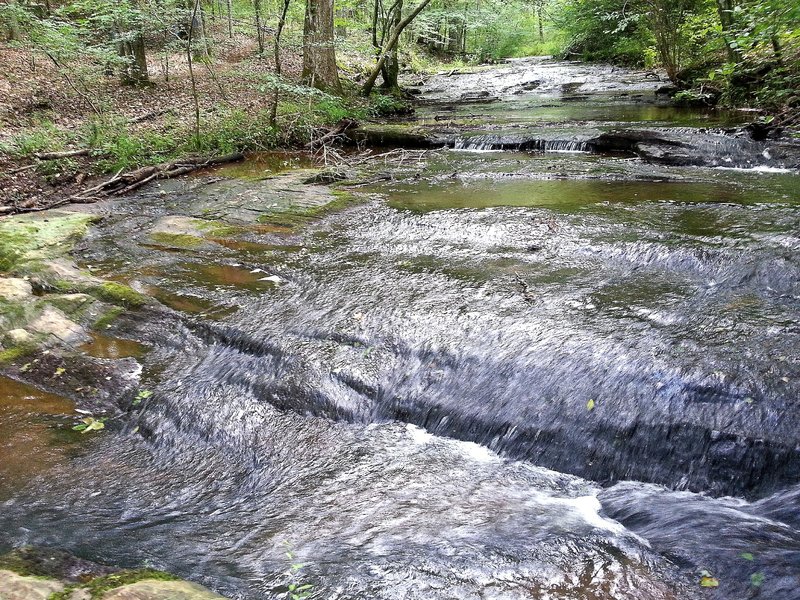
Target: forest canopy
x,y
731,48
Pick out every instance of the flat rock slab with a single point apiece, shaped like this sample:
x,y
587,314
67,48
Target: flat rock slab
x,y
15,289
242,201
152,589
54,322
17,587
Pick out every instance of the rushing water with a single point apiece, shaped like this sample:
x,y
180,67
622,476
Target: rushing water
x,y
506,375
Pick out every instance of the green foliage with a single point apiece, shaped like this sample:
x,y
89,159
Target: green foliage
x,y
108,317
89,424
384,105
141,397
605,30
35,140
298,590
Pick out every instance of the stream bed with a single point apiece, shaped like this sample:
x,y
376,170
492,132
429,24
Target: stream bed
x,y
504,371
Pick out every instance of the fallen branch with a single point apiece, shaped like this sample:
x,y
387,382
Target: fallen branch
x,y
57,155
340,129
21,169
123,183
150,115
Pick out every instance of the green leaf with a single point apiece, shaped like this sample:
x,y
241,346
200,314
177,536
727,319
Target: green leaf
x,y
757,579
746,555
590,405
142,395
90,424
709,582
60,371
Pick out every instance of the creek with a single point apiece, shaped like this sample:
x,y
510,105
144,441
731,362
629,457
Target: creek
x,y
529,365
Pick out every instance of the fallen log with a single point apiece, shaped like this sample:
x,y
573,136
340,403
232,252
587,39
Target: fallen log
x,y
123,183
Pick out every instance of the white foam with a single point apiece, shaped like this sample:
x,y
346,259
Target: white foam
x,y
758,169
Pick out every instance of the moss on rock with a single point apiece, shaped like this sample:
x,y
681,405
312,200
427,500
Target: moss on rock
x,y
119,294
98,586
29,238
297,217
176,240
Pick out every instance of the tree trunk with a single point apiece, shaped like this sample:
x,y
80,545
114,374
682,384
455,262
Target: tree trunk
x,y
391,68
319,54
390,45
134,71
666,19
259,32
12,26
725,11
230,20
452,43
539,10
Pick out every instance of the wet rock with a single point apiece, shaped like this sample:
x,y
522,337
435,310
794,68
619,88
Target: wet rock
x,y
63,270
182,232
667,90
161,590
71,304
327,176
18,587
15,289
52,563
478,97
54,322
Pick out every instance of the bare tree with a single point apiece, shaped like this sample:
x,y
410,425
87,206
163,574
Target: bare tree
x,y
273,113
390,46
259,29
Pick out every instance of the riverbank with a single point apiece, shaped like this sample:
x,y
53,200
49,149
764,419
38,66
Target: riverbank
x,y
57,141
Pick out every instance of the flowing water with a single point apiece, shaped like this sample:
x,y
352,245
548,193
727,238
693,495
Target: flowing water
x,y
538,374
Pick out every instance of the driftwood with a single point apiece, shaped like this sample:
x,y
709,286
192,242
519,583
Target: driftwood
x,y
123,183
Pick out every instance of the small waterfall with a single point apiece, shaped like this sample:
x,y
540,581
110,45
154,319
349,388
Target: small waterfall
x,y
492,142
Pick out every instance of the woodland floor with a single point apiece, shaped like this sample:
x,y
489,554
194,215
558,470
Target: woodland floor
x,y
35,96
